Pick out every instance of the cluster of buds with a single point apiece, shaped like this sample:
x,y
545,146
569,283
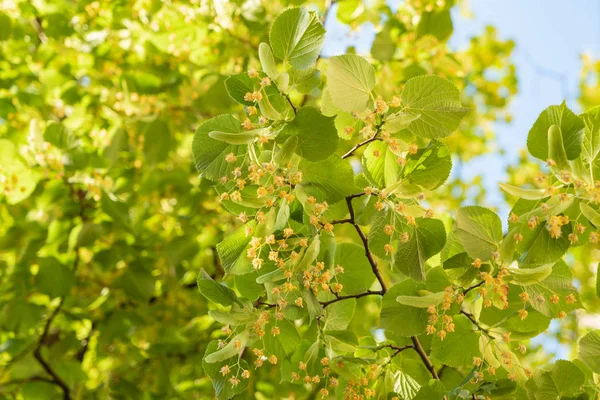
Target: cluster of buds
x,y
317,278
316,211
261,357
362,388
438,320
304,377
495,290
234,380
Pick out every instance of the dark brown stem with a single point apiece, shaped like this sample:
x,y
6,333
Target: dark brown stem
x,y
287,96
353,296
365,242
361,144
424,357
37,353
473,287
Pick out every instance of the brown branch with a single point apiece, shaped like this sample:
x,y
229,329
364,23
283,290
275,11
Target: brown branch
x,y
37,353
361,144
428,364
353,296
473,287
365,242
287,96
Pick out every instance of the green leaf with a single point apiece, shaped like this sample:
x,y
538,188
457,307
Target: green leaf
x,y
426,239
380,164
400,319
590,147
215,292
304,81
567,377
479,230
54,278
317,135
437,23
232,251
357,276
223,388
157,143
338,315
527,194
589,350
437,101
598,280
433,391
399,121
592,215
58,135
559,282
429,167
267,61
329,180
22,179
137,282
5,27
538,247
297,36
209,154
459,347
350,79
238,85
570,125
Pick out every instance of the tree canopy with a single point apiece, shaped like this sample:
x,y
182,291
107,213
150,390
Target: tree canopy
x,y
197,201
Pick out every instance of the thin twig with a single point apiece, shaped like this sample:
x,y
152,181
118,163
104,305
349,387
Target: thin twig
x,y
37,353
353,296
287,96
361,144
428,364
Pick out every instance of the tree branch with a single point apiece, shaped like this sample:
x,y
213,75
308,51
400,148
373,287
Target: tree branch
x,y
287,96
428,364
353,296
37,353
361,144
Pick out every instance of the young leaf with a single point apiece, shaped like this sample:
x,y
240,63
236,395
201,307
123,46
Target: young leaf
x,y
329,180
592,215
437,101
571,127
459,347
426,239
479,231
350,79
589,350
529,276
232,251
357,276
316,133
214,291
209,154
400,319
297,37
